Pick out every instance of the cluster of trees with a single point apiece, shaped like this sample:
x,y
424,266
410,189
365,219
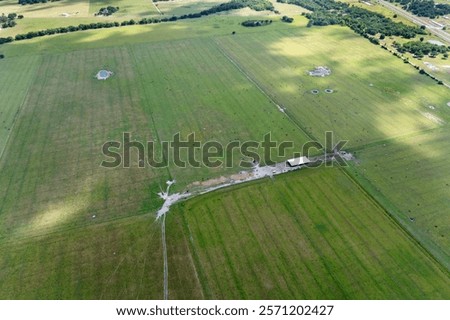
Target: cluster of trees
x,y
24,2
109,10
287,19
41,33
421,49
424,8
6,40
256,23
2,56
8,21
257,5
323,18
314,5
364,22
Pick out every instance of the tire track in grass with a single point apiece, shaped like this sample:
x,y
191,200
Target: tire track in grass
x,y
261,248
211,238
228,221
239,288
337,232
287,262
202,239
313,244
178,242
202,279
317,281
368,245
352,255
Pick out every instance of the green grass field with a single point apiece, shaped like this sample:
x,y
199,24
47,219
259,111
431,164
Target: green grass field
x,y
299,245
310,234
14,84
51,175
56,180
306,235
410,177
105,261
370,102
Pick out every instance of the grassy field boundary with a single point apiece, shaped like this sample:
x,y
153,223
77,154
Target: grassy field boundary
x,y
386,206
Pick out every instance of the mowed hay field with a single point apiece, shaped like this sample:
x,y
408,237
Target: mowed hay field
x,y
375,95
51,175
205,94
411,178
119,260
311,234
76,230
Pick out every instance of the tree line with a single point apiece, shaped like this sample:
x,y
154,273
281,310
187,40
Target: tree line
x,y
232,5
424,8
364,22
24,2
421,49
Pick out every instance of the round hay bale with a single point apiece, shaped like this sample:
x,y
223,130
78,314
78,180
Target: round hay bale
x,y
329,90
315,91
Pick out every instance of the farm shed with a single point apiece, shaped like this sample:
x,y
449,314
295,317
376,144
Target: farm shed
x,y
295,162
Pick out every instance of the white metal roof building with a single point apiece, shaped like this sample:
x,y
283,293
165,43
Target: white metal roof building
x,y
295,162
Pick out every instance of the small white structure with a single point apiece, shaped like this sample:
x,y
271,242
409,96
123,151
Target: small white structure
x,y
296,162
320,71
103,74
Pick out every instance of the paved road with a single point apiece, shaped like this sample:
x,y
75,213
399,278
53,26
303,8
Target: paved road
x,y
417,20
